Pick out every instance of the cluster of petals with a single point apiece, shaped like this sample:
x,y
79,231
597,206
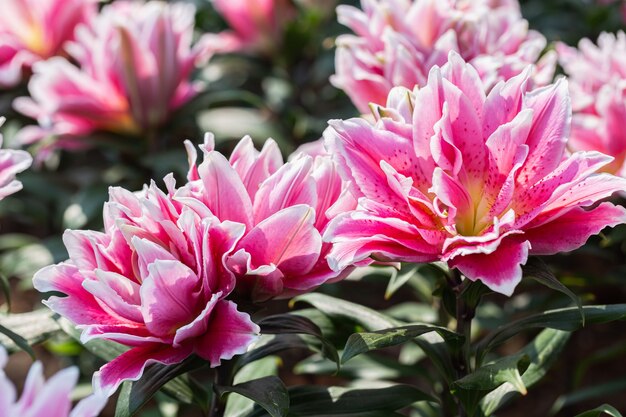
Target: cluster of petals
x,y
285,208
12,162
257,25
155,280
397,42
597,76
45,399
448,173
134,64
34,30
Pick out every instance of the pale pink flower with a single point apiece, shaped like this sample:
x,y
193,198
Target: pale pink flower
x,y
285,209
257,25
447,173
134,69
156,281
45,399
12,162
33,30
597,76
397,42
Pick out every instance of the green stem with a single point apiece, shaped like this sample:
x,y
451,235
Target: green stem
x,y
464,315
224,377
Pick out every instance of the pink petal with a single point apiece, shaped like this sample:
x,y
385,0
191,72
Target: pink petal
x,y
229,333
501,270
169,296
129,366
572,229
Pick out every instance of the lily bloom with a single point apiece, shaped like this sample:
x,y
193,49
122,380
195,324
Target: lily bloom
x,y
155,280
39,397
597,75
134,67
447,173
12,162
257,25
285,208
397,42
34,30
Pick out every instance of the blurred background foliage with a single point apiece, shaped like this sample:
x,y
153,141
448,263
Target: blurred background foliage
x,y
286,95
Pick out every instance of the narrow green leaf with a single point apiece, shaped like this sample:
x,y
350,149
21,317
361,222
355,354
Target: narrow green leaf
x,y
5,288
543,351
269,392
240,406
294,324
592,392
398,279
18,340
272,344
335,307
33,328
537,269
359,343
567,319
135,395
315,401
431,343
600,411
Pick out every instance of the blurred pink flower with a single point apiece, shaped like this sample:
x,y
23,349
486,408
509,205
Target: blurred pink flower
x,y
12,162
45,399
396,42
32,30
597,76
449,174
134,69
156,281
285,208
258,25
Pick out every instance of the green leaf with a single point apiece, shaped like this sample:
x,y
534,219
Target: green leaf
x,y
471,388
600,411
294,324
18,340
32,328
536,268
269,392
316,401
589,393
134,395
359,343
335,307
543,351
567,319
270,345
5,289
398,279
431,343
239,406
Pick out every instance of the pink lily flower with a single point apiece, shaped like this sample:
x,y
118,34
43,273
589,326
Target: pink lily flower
x,y
397,42
12,162
135,63
285,209
156,281
258,25
34,30
447,173
597,76
45,399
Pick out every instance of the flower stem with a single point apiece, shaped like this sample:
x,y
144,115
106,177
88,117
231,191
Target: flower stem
x,y
464,316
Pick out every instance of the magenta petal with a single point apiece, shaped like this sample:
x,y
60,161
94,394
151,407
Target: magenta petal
x,y
229,333
572,229
287,239
129,366
501,270
169,296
